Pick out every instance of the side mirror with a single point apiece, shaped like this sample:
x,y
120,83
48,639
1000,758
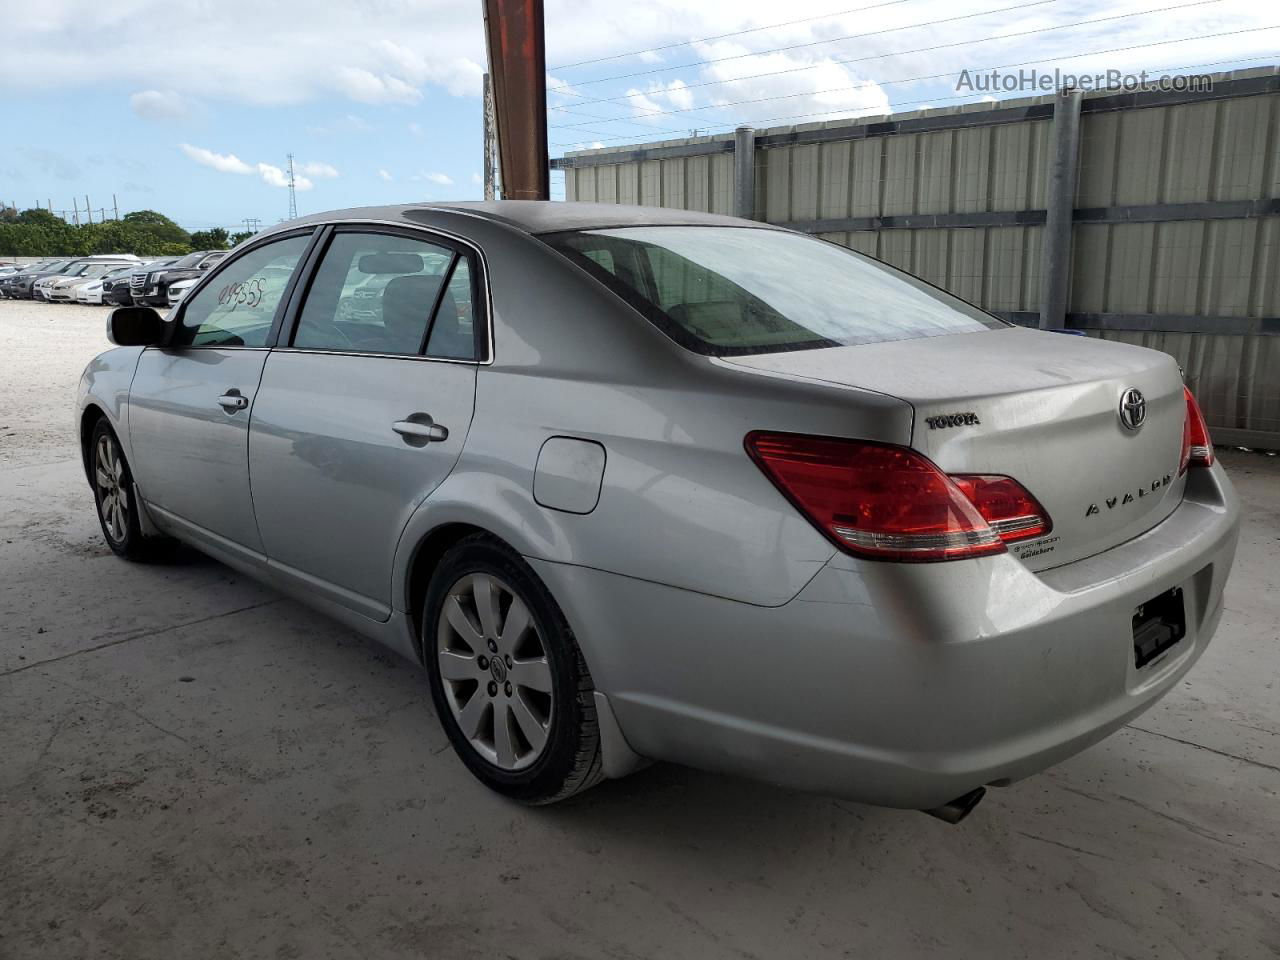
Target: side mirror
x,y
135,327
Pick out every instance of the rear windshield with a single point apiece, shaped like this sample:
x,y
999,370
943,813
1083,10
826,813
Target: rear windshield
x,y
735,290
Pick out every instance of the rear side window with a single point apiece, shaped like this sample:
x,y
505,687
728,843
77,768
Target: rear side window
x,y
237,306
385,293
737,290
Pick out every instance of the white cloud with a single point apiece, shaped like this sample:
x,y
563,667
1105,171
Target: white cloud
x,y
160,106
222,162
368,87
273,176
820,87
321,171
441,179
477,180
385,176
213,56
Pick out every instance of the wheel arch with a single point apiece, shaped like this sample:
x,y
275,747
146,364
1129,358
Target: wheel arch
x,y
89,418
422,562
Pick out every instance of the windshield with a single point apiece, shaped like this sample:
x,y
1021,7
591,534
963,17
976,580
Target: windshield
x,y
733,290
190,260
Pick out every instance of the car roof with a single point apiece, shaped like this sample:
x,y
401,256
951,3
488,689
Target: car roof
x,y
535,216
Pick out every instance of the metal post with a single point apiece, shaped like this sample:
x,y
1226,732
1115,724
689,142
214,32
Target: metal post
x,y
116,206
1055,256
744,172
87,212
490,192
516,41
75,211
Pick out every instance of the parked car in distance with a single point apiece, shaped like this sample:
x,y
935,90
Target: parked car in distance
x,y
74,268
95,291
178,289
63,289
138,278
637,483
18,286
153,291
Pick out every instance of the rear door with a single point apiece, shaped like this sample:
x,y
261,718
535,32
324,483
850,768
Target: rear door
x,y
191,400
362,413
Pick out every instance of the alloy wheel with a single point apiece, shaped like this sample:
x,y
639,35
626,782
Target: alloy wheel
x,y
113,501
495,671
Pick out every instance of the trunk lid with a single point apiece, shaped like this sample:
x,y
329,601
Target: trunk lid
x,y
1042,408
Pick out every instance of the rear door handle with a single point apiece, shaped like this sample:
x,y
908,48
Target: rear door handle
x,y
232,400
420,429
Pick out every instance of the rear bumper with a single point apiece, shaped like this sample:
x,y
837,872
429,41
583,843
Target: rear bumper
x,y
903,684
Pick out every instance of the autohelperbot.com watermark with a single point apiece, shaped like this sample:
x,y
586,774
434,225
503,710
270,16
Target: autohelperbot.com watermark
x,y
1031,80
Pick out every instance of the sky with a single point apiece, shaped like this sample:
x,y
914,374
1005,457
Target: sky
x,y
190,107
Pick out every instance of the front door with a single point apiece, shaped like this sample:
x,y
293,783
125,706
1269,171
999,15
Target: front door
x,y
191,401
364,411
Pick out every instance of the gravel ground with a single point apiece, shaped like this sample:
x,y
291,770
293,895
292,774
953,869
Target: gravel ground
x,y
46,345
193,766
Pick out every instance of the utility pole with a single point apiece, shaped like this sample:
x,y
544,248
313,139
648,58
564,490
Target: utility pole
x,y
516,41
293,197
88,214
115,205
1055,258
75,211
251,224
490,192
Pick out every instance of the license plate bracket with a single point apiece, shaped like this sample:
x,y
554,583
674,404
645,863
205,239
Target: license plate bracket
x,y
1157,625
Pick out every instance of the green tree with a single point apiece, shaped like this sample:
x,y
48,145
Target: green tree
x,y
215,239
240,237
157,224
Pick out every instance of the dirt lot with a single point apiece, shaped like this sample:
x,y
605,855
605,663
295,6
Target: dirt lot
x,y
192,766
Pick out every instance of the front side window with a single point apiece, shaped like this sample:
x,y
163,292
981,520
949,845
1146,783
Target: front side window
x,y
237,306
380,293
737,290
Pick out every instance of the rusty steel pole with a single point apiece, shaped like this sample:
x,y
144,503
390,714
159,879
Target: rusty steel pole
x,y
518,73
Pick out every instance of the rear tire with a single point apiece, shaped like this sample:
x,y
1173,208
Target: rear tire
x,y
118,507
507,678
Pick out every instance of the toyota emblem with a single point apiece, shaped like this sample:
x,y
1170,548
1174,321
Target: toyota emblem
x,y
1133,408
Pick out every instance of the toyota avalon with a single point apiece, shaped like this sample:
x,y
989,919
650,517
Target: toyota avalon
x,y
637,484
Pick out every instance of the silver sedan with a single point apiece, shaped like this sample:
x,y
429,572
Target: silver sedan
x,y
637,484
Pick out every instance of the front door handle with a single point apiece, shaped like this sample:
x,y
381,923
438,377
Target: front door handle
x,y
232,400
419,429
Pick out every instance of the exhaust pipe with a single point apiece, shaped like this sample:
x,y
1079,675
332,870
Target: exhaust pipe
x,y
959,808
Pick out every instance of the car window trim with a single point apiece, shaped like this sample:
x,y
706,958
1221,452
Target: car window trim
x,y
174,322
461,247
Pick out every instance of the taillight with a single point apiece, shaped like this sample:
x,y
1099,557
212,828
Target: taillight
x,y
1012,512
1197,448
890,503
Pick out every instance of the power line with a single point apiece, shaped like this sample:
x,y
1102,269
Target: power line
x,y
931,76
725,36
931,100
896,53
814,43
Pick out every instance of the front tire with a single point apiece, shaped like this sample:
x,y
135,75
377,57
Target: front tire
x,y
113,493
507,678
